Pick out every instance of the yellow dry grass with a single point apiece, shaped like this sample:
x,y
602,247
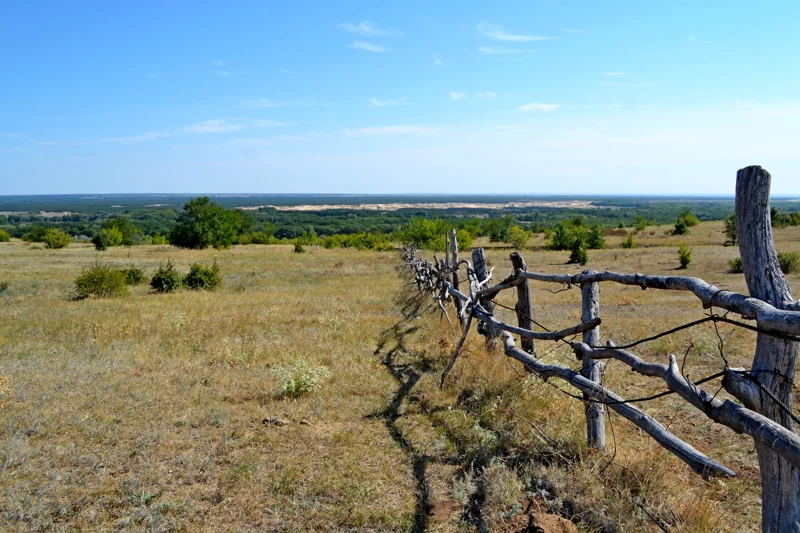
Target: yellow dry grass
x,y
146,413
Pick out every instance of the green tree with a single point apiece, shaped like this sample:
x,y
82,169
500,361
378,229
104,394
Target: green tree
x,y
122,232
684,255
55,238
4,235
518,237
731,235
204,223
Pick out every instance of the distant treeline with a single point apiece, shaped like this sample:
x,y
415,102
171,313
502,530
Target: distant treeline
x,y
203,222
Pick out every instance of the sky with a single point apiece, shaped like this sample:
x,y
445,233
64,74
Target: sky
x,y
535,97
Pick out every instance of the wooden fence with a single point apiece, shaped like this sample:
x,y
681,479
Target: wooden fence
x,y
765,391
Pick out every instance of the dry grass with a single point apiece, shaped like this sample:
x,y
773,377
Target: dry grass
x,y
145,413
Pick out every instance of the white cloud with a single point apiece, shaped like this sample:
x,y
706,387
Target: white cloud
x,y
402,129
368,29
221,73
437,61
260,103
369,47
499,50
536,106
218,63
223,126
613,73
488,95
454,96
497,33
374,102
148,136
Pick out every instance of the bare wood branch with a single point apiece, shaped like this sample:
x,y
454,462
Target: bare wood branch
x,y
591,368
684,451
524,305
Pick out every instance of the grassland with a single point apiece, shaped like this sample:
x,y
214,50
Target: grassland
x,y
147,413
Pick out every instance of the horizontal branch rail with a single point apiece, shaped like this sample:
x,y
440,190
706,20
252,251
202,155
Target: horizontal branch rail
x,y
697,461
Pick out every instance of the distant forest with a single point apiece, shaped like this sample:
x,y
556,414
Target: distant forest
x,y
157,215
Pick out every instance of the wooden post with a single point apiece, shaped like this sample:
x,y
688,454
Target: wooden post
x,y
775,361
591,368
454,249
482,272
524,305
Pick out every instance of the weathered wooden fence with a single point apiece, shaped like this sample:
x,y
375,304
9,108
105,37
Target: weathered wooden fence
x,y
764,391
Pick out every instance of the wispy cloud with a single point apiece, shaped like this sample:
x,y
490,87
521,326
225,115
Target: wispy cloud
x,y
13,136
626,84
223,126
148,136
369,47
536,106
437,61
221,73
488,95
374,102
154,76
260,103
493,31
218,63
368,29
499,50
613,73
402,129
455,97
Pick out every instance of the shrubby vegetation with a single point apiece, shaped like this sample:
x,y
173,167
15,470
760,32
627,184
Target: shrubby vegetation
x,y
204,223
300,378
781,220
166,278
360,241
628,243
134,275
100,280
4,235
731,235
684,256
735,266
201,277
789,262
55,238
685,221
577,236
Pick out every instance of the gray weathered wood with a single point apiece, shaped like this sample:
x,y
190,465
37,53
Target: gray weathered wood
x,y
524,306
591,368
482,272
775,361
684,451
456,281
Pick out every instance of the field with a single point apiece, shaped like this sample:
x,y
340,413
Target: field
x,y
163,412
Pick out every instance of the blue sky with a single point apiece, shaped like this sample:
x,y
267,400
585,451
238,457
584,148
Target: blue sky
x,y
379,97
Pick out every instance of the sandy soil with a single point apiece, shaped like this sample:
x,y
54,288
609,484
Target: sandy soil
x,y
572,204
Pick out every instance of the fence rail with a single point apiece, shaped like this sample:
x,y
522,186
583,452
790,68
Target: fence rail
x,y
765,391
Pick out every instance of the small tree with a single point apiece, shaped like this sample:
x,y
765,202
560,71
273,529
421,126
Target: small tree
x,y
134,275
100,281
201,277
166,278
101,241
578,253
684,255
731,236
517,237
4,235
55,238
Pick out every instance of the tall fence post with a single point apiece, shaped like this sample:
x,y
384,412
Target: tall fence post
x,y
482,272
456,281
591,368
524,307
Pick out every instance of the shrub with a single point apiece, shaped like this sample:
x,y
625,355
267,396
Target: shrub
x,y
4,235
298,247
122,232
628,242
134,275
578,254
101,241
789,261
55,238
300,378
100,281
166,278
201,277
158,239
681,228
685,221
684,255
3,286
35,233
263,237
640,223
518,237
731,236
735,266
571,234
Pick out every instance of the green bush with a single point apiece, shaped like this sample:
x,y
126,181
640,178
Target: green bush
x,y
685,221
55,238
640,222
122,232
3,286
158,239
681,228
361,241
684,255
134,275
735,266
100,281
731,236
576,233
298,247
166,278
578,253
201,277
789,261
35,233
300,378
518,237
101,241
628,242
4,235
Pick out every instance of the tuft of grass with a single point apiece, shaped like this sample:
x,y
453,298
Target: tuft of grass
x,y
735,266
628,242
684,255
789,261
300,378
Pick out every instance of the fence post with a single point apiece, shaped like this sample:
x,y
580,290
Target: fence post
x,y
479,265
592,369
524,305
456,280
